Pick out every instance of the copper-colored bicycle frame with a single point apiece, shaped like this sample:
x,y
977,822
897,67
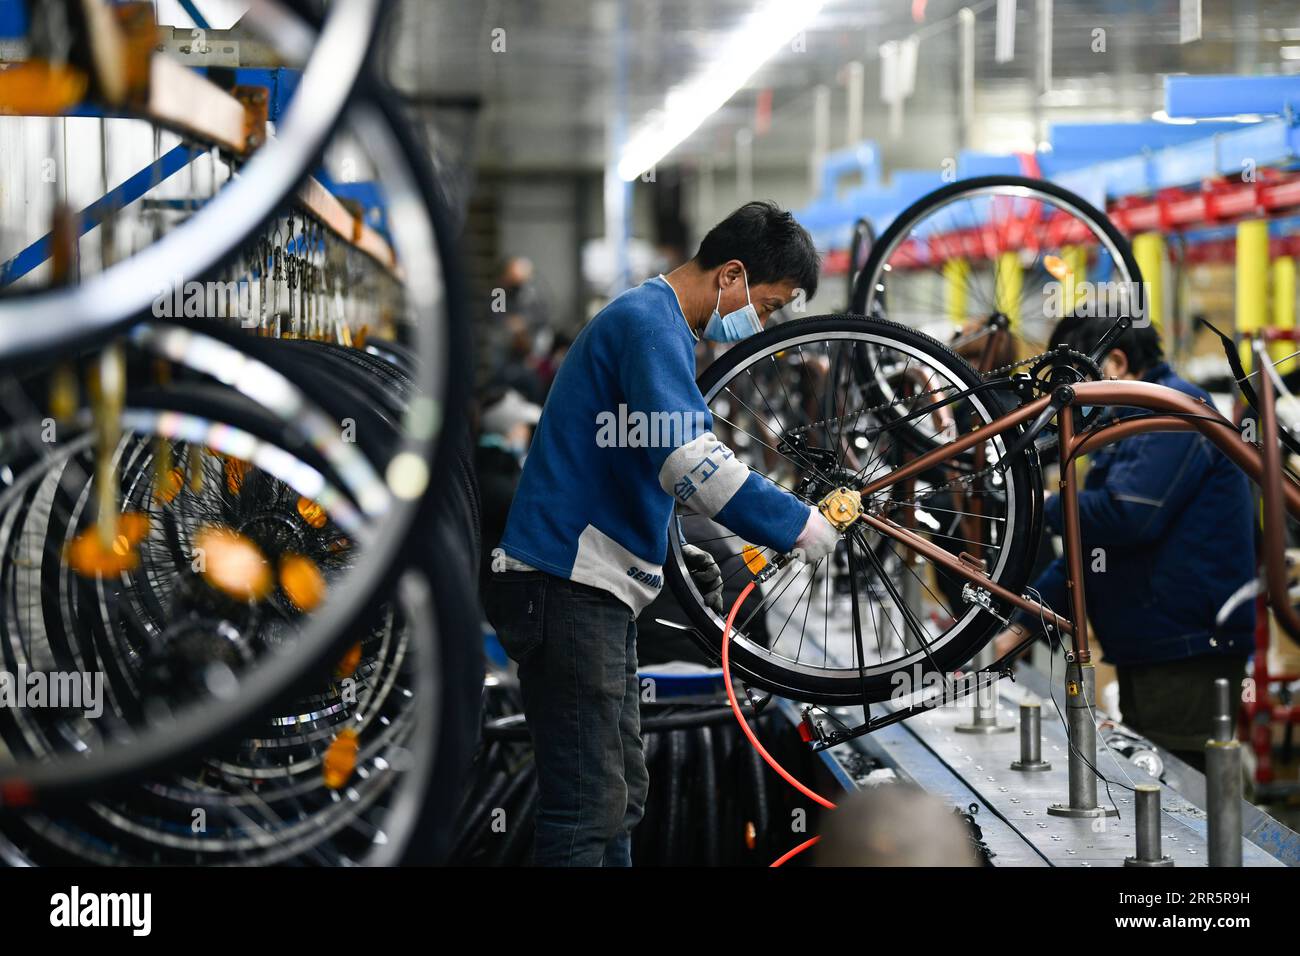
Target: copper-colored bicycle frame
x,y
1174,411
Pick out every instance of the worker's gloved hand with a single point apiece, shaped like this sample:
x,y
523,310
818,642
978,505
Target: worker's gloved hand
x,y
705,574
817,540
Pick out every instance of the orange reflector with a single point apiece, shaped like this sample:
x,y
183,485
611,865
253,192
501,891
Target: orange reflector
x,y
233,564
753,559
90,558
1058,267
236,470
38,88
170,485
311,512
340,759
751,835
351,661
302,582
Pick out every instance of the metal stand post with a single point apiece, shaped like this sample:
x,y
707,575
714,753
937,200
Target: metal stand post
x,y
1223,782
985,715
1031,738
1080,692
1147,799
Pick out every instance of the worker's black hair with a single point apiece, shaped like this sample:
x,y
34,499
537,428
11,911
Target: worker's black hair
x,y
768,240
1140,345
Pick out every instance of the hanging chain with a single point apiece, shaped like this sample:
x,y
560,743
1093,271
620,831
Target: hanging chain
x,y
989,376
858,413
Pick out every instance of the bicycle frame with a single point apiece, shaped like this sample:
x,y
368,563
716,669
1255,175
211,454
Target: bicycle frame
x,y
1172,411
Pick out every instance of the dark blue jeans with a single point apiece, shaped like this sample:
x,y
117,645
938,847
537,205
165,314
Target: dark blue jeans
x,y
576,650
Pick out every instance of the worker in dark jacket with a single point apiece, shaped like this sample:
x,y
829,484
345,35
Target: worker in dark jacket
x,y
1168,535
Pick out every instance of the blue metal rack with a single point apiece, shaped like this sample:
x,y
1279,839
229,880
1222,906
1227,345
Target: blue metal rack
x,y
1100,162
280,83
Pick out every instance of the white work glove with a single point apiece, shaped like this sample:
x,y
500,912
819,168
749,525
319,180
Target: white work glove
x,y
817,540
706,575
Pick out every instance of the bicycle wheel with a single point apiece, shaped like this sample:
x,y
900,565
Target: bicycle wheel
x,y
342,774
840,631
860,246
991,264
108,257
372,447
1009,247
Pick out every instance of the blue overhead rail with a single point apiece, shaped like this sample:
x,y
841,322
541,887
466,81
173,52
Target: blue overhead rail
x,y
13,20
1206,97
831,214
1107,161
280,83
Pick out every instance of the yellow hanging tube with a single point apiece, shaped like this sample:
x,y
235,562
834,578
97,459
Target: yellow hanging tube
x,y
1252,282
1076,259
1284,312
1009,283
1149,251
956,283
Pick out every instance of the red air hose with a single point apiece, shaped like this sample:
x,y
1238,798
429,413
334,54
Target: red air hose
x,y
749,733
791,854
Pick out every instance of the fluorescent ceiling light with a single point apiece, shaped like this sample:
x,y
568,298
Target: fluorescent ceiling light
x,y
690,104
1160,116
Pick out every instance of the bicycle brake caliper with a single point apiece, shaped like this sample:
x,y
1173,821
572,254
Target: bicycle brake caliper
x,y
976,595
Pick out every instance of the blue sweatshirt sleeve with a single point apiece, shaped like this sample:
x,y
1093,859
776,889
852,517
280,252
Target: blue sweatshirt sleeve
x,y
657,375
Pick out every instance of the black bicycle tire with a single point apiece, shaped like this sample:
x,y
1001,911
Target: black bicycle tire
x,y
760,671
917,212
72,779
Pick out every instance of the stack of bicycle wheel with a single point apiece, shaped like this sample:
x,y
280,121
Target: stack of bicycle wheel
x,y
236,523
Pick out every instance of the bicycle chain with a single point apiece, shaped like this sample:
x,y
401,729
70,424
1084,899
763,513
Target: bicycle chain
x,y
988,376
991,375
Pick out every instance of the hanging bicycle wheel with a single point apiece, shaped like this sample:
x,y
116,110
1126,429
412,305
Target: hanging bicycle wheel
x,y
334,778
1000,250
860,246
263,451
839,631
990,265
157,173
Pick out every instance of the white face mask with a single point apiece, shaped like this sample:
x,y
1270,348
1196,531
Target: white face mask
x,y
734,326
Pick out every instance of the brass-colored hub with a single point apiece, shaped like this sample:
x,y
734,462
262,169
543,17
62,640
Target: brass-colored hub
x,y
841,508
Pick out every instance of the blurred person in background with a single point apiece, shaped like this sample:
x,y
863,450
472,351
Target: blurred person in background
x,y
894,825
515,336
524,298
505,432
516,369
549,366
1168,535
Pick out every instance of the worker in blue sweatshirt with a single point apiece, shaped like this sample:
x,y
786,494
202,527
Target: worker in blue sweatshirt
x,y
587,535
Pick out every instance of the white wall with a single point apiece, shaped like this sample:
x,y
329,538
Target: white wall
x,y
44,161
